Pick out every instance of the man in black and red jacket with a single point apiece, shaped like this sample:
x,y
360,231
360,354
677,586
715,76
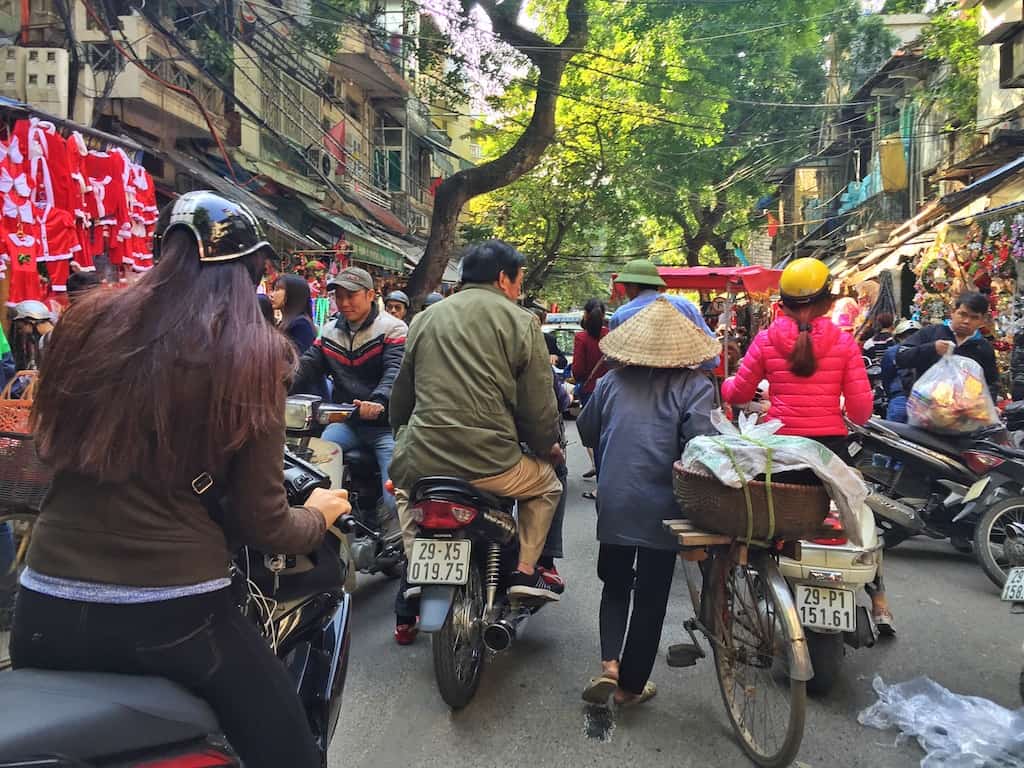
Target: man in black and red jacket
x,y
361,351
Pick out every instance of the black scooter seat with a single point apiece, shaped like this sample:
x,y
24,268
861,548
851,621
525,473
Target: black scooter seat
x,y
454,489
950,445
87,715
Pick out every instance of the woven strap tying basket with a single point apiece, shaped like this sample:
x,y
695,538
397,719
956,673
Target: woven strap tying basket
x,y
749,539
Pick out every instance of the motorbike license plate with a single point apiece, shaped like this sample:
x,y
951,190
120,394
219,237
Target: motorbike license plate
x,y
437,561
1013,589
975,491
826,608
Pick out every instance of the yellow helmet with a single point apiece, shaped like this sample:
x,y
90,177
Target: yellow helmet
x,y
804,281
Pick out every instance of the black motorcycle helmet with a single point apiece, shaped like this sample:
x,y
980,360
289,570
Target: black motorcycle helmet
x,y
224,230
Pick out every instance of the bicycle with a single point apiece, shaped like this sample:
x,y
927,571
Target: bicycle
x,y
746,612
24,482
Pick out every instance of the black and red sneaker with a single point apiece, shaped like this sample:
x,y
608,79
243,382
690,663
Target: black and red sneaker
x,y
530,585
405,634
552,578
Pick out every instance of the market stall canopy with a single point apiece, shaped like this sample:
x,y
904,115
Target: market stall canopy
x,y
734,279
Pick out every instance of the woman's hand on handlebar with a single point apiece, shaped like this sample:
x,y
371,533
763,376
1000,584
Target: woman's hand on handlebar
x,y
332,504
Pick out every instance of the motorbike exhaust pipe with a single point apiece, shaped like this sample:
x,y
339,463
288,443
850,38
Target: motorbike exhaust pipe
x,y
500,635
893,510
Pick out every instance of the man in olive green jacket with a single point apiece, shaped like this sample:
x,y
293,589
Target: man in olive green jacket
x,y
474,384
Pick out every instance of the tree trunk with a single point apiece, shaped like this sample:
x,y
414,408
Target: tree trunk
x,y
455,191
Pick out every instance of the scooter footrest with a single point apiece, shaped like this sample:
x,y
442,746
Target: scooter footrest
x,y
684,655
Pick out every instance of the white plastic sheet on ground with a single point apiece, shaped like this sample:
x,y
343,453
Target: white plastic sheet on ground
x,y
954,731
749,446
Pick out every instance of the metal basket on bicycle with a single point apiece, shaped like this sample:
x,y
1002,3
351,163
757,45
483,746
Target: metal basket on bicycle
x,y
24,478
758,511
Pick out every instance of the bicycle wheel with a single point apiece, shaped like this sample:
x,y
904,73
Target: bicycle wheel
x,y
751,641
15,534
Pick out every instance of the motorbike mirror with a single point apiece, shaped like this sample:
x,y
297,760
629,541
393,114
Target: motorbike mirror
x,y
299,411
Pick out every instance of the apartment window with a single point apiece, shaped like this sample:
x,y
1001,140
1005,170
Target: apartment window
x,y
281,111
476,151
103,57
10,77
33,55
51,79
10,53
51,56
33,79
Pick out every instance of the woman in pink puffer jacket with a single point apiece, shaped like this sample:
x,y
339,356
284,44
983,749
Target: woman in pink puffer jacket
x,y
807,404
814,371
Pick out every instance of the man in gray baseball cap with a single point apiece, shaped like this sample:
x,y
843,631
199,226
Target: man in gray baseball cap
x,y
361,351
352,279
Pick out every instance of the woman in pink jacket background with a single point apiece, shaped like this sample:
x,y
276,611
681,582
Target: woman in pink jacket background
x,y
814,371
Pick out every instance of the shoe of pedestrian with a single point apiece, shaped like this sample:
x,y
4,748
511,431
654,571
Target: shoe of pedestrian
x,y
552,578
632,699
405,634
599,689
530,585
589,474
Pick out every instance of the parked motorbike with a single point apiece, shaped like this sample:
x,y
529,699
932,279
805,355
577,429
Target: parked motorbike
x,y
85,719
467,541
998,503
827,581
1013,589
924,483
375,546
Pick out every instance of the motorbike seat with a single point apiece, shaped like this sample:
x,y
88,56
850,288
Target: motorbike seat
x,y
455,489
950,445
88,715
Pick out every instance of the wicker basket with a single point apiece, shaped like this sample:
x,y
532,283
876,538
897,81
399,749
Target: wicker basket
x,y
14,412
24,479
798,510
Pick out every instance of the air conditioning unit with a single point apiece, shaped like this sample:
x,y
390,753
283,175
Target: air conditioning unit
x,y
1011,62
319,160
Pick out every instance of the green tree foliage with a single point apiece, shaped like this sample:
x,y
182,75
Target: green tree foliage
x,y
666,128
952,39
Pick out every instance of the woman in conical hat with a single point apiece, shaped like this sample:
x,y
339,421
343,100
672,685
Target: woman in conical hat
x,y
638,421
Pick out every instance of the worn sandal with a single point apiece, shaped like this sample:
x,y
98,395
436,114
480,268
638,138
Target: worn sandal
x,y
599,689
589,495
650,691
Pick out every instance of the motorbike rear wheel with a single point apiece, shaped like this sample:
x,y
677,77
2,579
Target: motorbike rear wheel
x,y
458,648
826,650
990,538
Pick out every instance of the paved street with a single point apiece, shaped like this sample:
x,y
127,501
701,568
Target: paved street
x,y
528,711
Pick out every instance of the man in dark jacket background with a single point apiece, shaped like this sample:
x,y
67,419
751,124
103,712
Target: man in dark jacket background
x,y
960,335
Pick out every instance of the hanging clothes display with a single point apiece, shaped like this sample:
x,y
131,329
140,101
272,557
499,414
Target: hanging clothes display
x,y
62,205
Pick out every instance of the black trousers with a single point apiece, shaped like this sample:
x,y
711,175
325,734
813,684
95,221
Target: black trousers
x,y
649,586
201,642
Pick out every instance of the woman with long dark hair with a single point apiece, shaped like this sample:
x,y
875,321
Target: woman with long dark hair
x,y
291,297
815,371
588,362
143,391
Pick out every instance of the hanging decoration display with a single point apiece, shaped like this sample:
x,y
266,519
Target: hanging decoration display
x,y
989,259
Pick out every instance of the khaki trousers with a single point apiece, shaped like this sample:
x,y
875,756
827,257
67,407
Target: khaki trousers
x,y
532,482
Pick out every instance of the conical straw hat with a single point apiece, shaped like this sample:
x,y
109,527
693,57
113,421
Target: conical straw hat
x,y
660,336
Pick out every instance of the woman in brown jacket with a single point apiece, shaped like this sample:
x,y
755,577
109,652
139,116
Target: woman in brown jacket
x,y
143,390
